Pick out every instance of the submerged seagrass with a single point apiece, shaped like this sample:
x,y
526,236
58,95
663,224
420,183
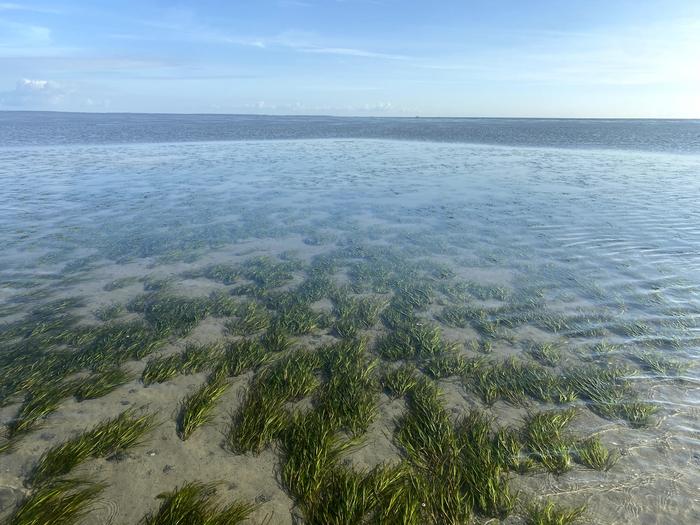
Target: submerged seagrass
x,y
323,322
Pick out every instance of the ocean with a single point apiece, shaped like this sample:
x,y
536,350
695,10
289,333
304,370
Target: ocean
x,y
419,277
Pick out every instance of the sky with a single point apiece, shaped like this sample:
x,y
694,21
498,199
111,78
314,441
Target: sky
x,y
498,58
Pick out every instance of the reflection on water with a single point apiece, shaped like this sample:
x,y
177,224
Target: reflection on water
x,y
517,279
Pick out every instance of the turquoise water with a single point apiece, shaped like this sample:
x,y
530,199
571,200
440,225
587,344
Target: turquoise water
x,y
602,243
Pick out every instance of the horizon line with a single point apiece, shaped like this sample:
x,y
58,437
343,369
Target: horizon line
x,y
323,115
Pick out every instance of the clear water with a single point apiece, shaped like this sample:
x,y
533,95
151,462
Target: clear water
x,y
672,136
598,220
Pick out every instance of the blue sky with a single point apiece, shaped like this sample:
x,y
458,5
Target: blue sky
x,y
575,58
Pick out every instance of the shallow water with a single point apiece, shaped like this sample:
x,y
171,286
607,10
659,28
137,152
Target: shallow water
x,y
603,245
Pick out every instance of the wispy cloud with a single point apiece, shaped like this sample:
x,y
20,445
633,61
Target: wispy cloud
x,y
293,3
638,56
307,42
346,51
10,6
16,33
187,29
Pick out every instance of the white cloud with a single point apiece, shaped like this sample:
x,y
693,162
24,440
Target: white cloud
x,y
33,94
295,108
42,94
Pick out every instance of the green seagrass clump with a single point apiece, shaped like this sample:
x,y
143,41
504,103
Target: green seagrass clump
x,y
109,437
195,503
549,514
276,339
546,439
196,409
40,402
413,340
461,470
101,383
594,454
222,304
243,355
257,423
193,359
515,381
113,343
170,314
61,502
297,319
109,312
547,353
262,416
349,396
311,448
399,381
252,318
609,394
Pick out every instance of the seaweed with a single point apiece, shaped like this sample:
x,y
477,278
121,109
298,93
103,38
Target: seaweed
x,y
194,503
243,355
609,394
637,413
311,449
267,273
222,304
413,341
101,383
399,381
297,319
291,377
222,273
547,353
24,368
482,347
107,438
315,287
460,474
252,318
349,397
39,403
170,314
276,339
113,343
658,363
448,365
193,359
109,312
196,409
514,381
122,282
62,502
259,420
545,437
346,496
592,453
549,514
261,417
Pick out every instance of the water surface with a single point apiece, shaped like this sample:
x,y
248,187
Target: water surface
x,y
571,232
